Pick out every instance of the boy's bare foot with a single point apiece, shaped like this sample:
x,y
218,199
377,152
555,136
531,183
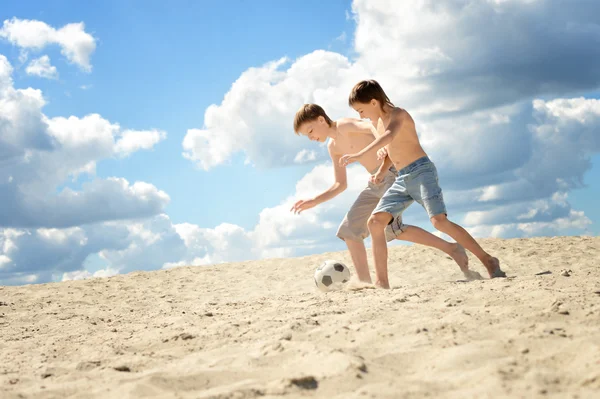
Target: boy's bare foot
x,y
460,257
384,285
493,267
471,275
356,285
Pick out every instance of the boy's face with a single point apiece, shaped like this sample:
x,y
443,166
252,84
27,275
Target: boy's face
x,y
369,110
315,130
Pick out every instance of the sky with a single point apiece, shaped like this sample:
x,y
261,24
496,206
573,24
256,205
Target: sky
x,y
146,135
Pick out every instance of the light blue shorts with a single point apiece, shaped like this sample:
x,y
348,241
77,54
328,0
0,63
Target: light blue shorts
x,y
415,182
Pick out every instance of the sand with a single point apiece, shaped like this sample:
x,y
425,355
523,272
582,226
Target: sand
x,y
261,329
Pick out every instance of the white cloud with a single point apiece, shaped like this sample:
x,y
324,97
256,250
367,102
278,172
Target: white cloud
x,y
574,221
84,274
496,171
41,67
4,260
463,62
474,91
41,255
305,156
156,242
23,56
135,140
5,73
508,150
39,154
341,37
466,59
264,101
194,262
76,44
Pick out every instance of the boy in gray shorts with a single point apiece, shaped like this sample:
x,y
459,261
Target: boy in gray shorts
x,y
348,135
417,178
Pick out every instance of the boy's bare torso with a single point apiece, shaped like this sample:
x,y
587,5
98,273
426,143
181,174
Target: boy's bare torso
x,y
350,143
405,148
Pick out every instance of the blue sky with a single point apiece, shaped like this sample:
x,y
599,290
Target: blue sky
x,y
161,64
486,103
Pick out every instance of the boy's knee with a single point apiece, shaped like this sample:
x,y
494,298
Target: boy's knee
x,y
378,221
440,221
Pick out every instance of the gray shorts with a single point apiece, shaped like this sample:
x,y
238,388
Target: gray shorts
x,y
415,182
354,226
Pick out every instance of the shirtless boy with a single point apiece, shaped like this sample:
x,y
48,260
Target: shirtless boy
x,y
417,178
351,135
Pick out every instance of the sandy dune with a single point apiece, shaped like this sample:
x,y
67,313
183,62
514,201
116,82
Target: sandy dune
x,y
261,329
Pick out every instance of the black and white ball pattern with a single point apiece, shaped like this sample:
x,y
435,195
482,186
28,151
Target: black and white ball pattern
x,y
330,273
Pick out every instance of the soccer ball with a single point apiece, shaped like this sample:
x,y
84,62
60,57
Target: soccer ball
x,y
331,273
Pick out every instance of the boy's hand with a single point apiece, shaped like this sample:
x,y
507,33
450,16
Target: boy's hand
x,y
377,178
381,153
303,205
347,159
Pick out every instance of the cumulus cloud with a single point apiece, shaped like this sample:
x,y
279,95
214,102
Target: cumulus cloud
x,y
477,95
156,242
41,255
98,200
75,43
131,141
39,154
507,150
264,101
121,246
501,115
84,274
305,156
42,67
463,62
480,54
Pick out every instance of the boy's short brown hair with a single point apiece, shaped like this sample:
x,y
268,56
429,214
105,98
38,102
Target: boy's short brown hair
x,y
365,91
308,113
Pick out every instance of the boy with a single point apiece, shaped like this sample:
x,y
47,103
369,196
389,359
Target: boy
x,y
349,135
417,178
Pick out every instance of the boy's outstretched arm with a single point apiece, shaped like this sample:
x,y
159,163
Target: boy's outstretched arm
x,y
381,141
338,187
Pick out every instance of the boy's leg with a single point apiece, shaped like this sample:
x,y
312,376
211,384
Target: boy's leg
x,y
358,253
417,235
353,229
393,202
425,189
377,225
462,236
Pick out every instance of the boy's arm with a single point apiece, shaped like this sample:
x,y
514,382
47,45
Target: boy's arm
x,y
338,186
381,141
347,125
385,166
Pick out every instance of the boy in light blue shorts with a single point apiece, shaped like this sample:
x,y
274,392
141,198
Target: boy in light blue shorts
x,y
417,178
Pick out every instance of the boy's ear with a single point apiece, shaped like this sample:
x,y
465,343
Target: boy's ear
x,y
320,119
374,102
